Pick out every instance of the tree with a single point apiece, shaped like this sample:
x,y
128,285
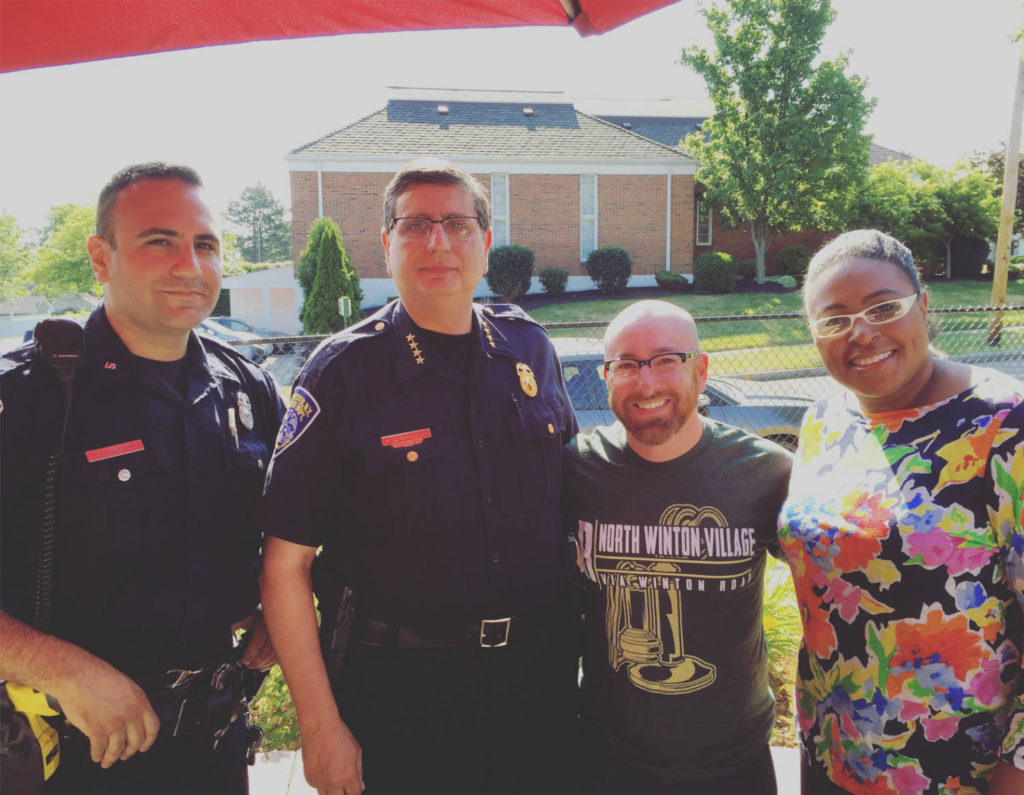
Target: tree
x,y
958,203
335,277
265,235
784,149
306,270
14,257
994,164
62,263
929,207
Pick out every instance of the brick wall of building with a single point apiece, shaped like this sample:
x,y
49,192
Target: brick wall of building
x,y
545,217
631,214
684,225
544,210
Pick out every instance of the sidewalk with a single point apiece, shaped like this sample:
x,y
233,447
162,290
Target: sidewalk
x,y
280,773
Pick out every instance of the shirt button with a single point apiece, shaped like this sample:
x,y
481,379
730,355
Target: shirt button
x,y
124,475
480,444
490,500
412,456
551,428
379,325
496,559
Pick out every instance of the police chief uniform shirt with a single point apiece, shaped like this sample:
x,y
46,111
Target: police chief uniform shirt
x,y
155,552
432,483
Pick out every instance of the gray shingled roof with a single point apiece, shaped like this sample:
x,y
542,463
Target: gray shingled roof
x,y
412,128
668,130
879,154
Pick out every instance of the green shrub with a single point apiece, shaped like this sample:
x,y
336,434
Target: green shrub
x,y
714,272
674,282
509,271
746,269
793,261
609,267
274,712
785,281
554,280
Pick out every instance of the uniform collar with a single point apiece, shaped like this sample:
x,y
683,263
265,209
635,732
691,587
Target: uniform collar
x,y
414,355
104,346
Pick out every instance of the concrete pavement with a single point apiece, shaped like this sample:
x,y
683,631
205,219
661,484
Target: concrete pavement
x,y
280,773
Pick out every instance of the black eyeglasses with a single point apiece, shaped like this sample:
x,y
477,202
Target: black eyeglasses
x,y
458,228
662,364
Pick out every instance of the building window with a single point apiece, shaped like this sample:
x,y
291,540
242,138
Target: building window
x,y
499,210
704,219
588,214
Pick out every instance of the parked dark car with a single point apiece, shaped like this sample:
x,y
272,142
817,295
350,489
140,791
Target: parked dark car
x,y
772,416
236,324
242,340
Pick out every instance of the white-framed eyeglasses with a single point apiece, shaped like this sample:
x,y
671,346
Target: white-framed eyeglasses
x,y
457,227
876,315
663,364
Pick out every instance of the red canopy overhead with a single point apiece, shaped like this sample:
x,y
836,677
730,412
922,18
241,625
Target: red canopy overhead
x,y
36,33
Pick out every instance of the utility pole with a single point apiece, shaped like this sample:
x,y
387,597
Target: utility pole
x,y
1002,267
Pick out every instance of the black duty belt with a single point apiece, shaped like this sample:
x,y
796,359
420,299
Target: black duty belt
x,y
490,633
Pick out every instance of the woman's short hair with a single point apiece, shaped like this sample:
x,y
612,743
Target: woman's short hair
x,y
862,244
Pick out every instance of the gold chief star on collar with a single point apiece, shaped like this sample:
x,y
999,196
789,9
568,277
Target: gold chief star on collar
x,y
415,348
487,332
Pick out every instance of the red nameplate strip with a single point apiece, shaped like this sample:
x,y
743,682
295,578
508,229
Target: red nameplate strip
x,y
407,439
103,453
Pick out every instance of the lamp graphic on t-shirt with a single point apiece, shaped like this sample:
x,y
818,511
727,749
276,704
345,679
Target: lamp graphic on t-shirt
x,y
644,622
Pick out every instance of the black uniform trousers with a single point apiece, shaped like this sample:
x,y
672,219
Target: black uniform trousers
x,y
173,766
478,721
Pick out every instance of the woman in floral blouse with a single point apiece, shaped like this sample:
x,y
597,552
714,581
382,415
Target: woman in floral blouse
x,y
903,528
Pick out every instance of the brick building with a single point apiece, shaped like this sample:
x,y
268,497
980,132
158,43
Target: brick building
x,y
564,178
561,182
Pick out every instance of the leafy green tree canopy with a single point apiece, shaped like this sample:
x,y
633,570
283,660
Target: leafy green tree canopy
x,y
785,148
264,235
14,257
62,263
929,207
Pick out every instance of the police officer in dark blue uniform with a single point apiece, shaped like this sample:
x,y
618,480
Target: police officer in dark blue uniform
x,y
166,439
422,449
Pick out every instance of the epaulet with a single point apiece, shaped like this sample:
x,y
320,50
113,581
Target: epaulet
x,y
20,358
508,312
366,329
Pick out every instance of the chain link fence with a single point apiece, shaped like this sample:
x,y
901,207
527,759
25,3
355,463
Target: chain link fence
x,y
764,370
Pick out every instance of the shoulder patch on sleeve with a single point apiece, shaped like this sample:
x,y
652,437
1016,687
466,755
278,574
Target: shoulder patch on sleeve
x,y
302,410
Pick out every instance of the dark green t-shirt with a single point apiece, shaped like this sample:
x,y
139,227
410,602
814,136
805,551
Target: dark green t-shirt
x,y
673,556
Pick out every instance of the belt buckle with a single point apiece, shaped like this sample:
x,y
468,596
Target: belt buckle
x,y
487,624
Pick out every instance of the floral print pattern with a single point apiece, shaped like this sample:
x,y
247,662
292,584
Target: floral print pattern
x,y
905,535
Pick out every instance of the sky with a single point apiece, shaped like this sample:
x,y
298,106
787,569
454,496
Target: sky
x,y
943,72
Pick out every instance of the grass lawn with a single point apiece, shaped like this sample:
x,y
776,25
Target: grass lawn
x,y
940,294
730,342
